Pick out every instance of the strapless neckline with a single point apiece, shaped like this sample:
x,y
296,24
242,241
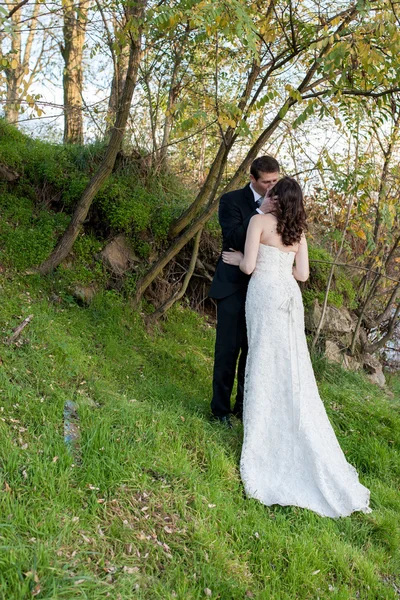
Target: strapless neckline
x,y
276,248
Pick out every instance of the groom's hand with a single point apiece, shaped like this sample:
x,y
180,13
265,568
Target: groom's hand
x,y
267,204
233,257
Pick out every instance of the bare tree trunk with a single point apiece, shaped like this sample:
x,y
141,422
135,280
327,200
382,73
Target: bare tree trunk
x,y
339,252
371,295
220,160
161,310
209,188
174,89
152,114
119,49
331,273
389,306
371,348
361,315
11,109
121,68
66,242
13,76
388,155
173,250
20,57
202,158
74,29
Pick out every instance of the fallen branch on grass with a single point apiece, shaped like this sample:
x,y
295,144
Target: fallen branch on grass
x,y
18,330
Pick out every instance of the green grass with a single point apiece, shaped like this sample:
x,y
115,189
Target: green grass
x,y
151,504
134,199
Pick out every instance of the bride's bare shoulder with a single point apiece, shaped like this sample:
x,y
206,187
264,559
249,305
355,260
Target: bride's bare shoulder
x,y
264,218
268,222
257,220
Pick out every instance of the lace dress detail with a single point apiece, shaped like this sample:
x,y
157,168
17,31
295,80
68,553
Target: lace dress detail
x,y
290,453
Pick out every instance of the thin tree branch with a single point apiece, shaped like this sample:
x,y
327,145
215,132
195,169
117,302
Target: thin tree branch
x,y
15,9
367,94
180,293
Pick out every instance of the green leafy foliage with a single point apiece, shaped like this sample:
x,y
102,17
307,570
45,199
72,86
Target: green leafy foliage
x,y
307,112
124,205
342,292
27,235
131,200
54,169
334,298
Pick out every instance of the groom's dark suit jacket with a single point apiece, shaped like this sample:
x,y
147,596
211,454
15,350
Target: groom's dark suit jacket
x,y
235,211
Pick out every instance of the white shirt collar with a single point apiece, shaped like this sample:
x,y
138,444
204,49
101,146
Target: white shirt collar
x,y
256,195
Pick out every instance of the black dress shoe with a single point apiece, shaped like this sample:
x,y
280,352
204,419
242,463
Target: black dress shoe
x,y
238,415
225,420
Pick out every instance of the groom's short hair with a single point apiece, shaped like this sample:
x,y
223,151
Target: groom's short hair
x,y
264,164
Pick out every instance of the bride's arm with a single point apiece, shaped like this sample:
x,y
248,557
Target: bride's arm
x,y
301,269
248,263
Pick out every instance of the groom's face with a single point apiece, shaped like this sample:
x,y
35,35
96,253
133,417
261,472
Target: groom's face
x,y
265,182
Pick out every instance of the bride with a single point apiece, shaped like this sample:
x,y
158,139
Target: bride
x,y
290,453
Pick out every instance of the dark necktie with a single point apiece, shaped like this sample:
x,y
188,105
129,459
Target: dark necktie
x,y
258,202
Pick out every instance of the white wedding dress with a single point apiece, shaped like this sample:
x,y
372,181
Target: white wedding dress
x,y
290,453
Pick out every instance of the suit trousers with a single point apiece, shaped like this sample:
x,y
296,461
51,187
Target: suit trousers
x,y
231,341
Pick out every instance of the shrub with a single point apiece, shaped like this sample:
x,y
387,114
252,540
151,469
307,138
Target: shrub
x,y
319,271
334,298
26,236
342,290
133,200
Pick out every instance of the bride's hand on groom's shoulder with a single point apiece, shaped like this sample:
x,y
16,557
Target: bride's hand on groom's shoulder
x,y
232,257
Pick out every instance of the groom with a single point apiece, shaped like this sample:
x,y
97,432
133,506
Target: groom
x,y
229,286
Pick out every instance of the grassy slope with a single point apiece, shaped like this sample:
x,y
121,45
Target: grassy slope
x,y
152,507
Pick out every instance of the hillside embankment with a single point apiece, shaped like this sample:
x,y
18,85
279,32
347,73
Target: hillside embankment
x,y
113,482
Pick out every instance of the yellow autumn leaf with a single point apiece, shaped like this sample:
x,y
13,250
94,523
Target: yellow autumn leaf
x,y
360,233
14,63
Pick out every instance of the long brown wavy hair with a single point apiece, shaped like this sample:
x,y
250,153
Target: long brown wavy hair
x,y
289,210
